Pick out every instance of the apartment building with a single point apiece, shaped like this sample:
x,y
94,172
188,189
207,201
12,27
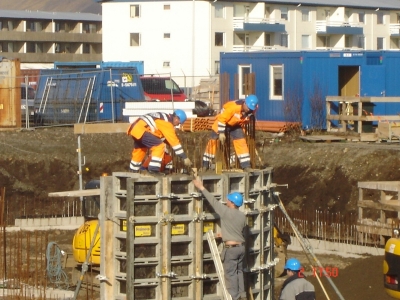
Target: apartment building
x,y
39,38
185,38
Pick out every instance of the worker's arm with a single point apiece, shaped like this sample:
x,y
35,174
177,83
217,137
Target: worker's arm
x,y
223,118
168,131
217,205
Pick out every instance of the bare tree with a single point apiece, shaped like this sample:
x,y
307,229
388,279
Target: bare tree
x,y
317,106
292,109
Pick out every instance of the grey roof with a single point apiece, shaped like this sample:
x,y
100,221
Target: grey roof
x,y
370,4
44,15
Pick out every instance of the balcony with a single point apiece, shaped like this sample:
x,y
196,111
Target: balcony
x,y
247,48
257,24
394,29
339,27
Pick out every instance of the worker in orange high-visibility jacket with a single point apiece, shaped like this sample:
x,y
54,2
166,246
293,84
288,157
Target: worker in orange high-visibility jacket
x,y
233,115
148,132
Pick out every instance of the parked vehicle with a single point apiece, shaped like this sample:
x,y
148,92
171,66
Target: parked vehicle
x,y
161,89
27,99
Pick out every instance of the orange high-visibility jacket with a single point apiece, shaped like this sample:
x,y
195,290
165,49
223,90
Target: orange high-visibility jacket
x,y
230,115
160,125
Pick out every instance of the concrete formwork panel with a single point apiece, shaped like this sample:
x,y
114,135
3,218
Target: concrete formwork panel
x,y
153,233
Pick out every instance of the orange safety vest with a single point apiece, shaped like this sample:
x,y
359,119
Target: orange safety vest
x,y
230,115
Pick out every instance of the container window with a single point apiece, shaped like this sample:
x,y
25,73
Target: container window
x,y
276,82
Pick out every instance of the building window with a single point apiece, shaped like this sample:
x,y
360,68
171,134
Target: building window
x,y
57,48
379,17
326,41
89,28
166,64
135,11
276,82
267,39
167,35
379,43
244,70
284,13
219,10
86,48
305,15
34,47
347,43
167,7
219,39
361,42
135,39
284,40
216,67
305,42
361,17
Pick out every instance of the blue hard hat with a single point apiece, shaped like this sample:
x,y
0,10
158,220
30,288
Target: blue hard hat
x,y
236,198
292,264
181,115
251,101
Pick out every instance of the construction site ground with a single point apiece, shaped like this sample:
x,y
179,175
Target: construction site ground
x,y
320,176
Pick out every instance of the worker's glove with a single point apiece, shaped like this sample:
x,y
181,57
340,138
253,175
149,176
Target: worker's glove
x,y
222,138
187,162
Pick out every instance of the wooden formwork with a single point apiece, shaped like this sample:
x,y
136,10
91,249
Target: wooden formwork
x,y
383,203
153,235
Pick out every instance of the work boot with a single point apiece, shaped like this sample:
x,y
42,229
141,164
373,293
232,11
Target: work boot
x,y
133,171
248,170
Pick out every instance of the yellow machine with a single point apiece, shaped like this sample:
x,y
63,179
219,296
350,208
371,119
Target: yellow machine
x,y
83,237
391,266
281,242
82,240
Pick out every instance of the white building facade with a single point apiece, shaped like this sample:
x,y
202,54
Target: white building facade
x,y
185,38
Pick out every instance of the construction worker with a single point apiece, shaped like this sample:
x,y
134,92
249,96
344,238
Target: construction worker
x,y
233,115
233,223
148,132
296,287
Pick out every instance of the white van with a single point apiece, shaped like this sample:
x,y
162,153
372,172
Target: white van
x,y
30,99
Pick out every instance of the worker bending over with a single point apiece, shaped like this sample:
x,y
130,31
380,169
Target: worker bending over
x,y
148,132
234,114
296,287
233,223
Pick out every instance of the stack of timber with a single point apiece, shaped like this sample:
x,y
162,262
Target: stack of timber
x,y
277,126
208,91
205,123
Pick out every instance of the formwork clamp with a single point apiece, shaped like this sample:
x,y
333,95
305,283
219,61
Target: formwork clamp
x,y
199,217
267,208
169,196
199,277
265,266
166,218
196,195
166,275
249,201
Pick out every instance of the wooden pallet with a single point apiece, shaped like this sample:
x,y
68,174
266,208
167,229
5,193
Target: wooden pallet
x,y
322,138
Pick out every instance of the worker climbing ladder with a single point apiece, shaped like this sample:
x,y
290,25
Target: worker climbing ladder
x,y
218,263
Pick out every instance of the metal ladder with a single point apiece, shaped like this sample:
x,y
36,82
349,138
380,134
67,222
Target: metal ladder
x,y
218,263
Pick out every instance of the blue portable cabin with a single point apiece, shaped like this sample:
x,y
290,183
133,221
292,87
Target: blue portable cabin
x,y
67,96
311,75
139,65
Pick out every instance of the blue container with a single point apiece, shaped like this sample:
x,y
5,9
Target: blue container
x,y
310,76
68,96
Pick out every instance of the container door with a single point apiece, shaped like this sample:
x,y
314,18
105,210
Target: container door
x,y
373,81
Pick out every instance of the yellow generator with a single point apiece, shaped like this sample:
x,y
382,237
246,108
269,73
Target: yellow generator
x,y
84,235
81,243
391,266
